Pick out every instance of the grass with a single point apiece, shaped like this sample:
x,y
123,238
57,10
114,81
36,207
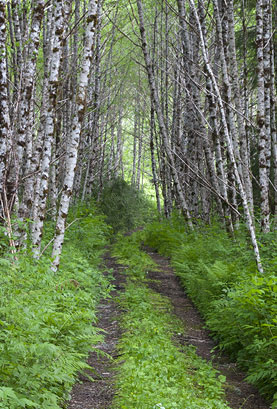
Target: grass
x,y
155,371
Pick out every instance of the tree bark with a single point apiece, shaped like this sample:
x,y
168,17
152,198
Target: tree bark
x,y
156,103
264,143
4,103
229,144
75,134
52,93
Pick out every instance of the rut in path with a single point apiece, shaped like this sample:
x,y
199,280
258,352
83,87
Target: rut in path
x,y
99,394
239,394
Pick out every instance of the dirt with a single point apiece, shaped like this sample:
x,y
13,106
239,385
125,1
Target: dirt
x,y
239,394
99,393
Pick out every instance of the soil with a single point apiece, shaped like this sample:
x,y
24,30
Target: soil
x,y
99,393
239,394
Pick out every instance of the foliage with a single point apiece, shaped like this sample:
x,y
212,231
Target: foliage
x,y
127,250
46,319
221,278
155,371
125,207
248,328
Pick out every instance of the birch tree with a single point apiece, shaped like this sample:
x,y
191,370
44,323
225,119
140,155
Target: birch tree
x,y
228,140
156,103
178,95
4,104
51,90
91,21
263,90
26,122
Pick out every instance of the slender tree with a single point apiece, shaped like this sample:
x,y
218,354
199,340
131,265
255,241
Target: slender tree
x,y
77,122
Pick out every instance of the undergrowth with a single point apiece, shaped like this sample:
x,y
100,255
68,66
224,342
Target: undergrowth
x,y
239,304
125,207
127,251
154,370
46,319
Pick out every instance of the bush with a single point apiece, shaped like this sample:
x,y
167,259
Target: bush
x,y
247,328
124,206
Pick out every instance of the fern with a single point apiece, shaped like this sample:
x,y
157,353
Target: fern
x,y
220,276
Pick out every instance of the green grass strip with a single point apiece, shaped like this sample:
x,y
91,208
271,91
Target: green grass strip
x,y
154,370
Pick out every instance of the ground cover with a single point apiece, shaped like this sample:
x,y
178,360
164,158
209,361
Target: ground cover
x,y
48,321
155,371
239,304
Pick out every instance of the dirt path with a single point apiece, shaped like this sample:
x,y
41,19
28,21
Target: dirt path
x,y
239,394
99,394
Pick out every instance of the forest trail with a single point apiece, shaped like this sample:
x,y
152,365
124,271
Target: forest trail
x,y
239,394
98,394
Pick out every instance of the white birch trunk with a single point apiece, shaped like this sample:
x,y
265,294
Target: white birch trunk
x,y
273,129
119,142
238,104
75,134
153,160
27,120
265,222
4,103
247,212
263,137
55,62
157,106
139,160
134,152
18,48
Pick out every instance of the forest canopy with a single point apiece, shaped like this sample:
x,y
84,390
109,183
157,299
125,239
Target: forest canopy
x,y
177,97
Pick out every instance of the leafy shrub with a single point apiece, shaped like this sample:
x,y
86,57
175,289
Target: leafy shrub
x,y
124,206
220,276
46,319
248,328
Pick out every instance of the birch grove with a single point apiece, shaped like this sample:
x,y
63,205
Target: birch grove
x,y
178,98
77,122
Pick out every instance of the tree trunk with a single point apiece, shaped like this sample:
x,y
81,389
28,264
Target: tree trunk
x,y
4,104
75,134
156,103
228,140
264,143
52,92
